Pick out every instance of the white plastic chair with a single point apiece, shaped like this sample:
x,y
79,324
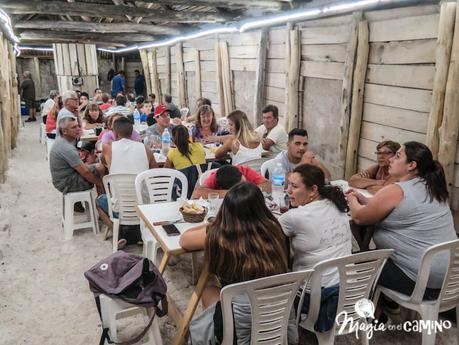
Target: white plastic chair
x,y
184,112
112,309
254,164
449,293
122,198
68,217
268,166
205,175
271,300
159,183
357,275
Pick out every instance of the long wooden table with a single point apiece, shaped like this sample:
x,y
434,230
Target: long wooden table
x,y
169,211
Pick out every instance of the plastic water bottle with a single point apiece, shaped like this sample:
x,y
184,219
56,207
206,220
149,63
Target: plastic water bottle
x,y
166,142
136,119
277,184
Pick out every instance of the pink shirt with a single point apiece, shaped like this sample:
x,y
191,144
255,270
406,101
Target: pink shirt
x,y
107,137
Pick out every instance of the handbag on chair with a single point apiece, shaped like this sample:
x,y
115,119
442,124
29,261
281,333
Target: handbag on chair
x,y
131,278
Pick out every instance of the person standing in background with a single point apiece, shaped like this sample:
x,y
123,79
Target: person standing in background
x,y
28,95
118,83
139,83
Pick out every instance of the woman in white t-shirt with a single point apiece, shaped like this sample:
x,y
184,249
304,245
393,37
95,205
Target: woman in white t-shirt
x,y
319,230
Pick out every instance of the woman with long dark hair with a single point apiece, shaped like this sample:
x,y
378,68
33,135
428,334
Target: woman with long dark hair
x,y
409,216
318,229
244,242
206,126
185,154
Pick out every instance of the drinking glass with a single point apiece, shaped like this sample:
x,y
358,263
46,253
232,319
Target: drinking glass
x,y
214,203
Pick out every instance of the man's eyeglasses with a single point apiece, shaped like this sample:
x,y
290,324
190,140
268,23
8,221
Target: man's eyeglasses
x,y
383,153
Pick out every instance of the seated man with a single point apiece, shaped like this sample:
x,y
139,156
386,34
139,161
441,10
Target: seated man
x,y
69,173
163,121
227,176
297,153
120,107
123,156
377,175
274,137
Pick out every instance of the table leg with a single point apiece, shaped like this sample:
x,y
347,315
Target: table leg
x,y
191,307
164,262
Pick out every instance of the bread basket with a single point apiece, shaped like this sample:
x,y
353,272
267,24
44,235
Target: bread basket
x,y
193,217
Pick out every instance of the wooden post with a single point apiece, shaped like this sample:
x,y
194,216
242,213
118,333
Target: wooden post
x,y
260,75
168,73
197,74
291,119
15,116
5,132
443,56
218,61
357,100
180,75
346,92
153,65
227,79
449,128
37,81
146,69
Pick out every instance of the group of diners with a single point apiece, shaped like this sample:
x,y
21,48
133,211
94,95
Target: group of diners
x,y
408,212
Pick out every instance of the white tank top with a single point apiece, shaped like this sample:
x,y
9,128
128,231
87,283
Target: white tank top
x,y
128,157
245,154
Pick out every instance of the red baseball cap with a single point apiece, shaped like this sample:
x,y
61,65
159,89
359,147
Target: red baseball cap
x,y
160,109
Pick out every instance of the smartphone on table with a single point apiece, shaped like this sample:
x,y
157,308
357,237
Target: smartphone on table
x,y
171,230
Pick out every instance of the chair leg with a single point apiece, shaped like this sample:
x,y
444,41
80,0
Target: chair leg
x,y
116,229
325,338
428,335
94,212
68,219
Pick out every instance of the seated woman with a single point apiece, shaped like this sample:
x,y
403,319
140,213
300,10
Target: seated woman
x,y
107,136
409,216
185,154
244,242
244,144
51,118
377,176
206,126
93,117
319,230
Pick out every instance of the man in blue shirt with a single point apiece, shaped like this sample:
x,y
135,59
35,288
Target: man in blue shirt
x,y
118,83
139,83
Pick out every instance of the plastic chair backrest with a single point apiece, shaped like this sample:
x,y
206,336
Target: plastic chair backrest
x,y
120,189
160,184
267,167
449,294
205,175
358,274
254,164
184,112
271,300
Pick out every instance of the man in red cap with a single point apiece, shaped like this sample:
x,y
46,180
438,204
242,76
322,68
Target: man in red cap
x,y
163,121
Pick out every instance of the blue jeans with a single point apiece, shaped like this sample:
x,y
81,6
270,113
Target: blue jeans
x,y
328,305
102,203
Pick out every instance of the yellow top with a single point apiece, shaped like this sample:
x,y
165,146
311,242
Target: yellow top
x,y
197,156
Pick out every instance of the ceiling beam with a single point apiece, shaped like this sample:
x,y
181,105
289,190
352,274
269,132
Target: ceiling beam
x,y
46,41
80,37
97,27
265,4
112,11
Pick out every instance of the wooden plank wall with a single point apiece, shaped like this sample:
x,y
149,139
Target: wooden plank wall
x,y
324,50
73,60
9,105
399,78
